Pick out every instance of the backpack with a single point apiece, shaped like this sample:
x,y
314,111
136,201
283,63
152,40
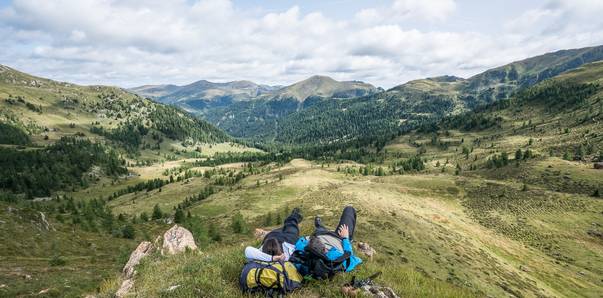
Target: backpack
x,y
316,264
269,277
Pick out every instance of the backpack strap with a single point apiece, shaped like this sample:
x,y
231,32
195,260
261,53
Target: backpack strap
x,y
345,257
275,285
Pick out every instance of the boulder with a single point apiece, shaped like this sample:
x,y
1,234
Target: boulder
x,y
598,165
366,249
143,249
44,291
349,291
125,287
178,239
380,292
260,233
595,233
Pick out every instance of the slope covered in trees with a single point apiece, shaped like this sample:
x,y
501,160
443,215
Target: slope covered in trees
x,y
61,166
47,110
399,109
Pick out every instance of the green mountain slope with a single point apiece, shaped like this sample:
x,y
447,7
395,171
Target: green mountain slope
x,y
201,94
246,109
410,105
47,110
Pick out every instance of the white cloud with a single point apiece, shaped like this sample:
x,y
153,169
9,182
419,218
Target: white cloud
x,y
427,9
139,42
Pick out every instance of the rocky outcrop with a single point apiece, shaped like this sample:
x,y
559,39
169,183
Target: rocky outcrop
x,y
369,290
143,249
45,224
366,249
177,240
380,292
125,287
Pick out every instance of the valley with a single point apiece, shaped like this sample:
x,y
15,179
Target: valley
x,y
490,192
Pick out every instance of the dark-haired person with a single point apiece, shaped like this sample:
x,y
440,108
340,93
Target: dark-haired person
x,y
334,244
278,245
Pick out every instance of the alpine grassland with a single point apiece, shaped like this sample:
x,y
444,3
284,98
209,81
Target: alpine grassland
x,y
473,198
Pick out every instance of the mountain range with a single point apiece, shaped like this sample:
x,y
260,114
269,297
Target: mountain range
x,y
204,94
320,109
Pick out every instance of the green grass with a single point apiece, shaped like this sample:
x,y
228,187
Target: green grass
x,y
214,272
27,247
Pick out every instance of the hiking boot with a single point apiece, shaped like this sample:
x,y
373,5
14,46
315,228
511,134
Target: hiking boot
x,y
317,222
297,212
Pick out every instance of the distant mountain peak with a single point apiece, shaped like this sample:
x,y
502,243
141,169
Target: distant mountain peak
x,y
325,86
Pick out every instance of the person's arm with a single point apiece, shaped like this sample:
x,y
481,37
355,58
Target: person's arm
x,y
347,245
253,253
344,232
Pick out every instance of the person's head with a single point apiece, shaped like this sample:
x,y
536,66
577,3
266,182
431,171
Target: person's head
x,y
272,247
316,245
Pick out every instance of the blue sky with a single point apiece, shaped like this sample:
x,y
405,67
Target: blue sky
x,y
383,42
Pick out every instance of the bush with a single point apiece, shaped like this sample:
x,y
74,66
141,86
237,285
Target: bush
x,y
157,214
57,260
179,216
196,226
128,232
238,224
214,233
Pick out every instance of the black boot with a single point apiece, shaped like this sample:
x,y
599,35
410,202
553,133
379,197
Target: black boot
x,y
296,211
317,222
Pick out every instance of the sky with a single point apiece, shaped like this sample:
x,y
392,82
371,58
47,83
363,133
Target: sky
x,y
129,43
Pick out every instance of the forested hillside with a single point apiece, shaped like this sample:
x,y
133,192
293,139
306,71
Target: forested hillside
x,y
46,110
248,110
411,105
383,115
59,132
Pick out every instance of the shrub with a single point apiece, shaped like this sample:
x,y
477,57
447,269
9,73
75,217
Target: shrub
x,y
128,232
157,214
238,224
179,216
57,260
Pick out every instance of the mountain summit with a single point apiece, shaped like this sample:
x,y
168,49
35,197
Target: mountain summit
x,y
324,86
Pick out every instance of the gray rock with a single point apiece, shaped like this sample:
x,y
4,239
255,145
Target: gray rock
x,y
177,240
125,287
143,249
380,292
366,249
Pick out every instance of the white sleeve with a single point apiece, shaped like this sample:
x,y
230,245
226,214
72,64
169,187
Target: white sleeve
x,y
252,253
288,250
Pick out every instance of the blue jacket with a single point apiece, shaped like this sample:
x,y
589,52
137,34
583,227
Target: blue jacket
x,y
334,253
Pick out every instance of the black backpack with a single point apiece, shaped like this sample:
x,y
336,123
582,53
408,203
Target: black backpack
x,y
316,264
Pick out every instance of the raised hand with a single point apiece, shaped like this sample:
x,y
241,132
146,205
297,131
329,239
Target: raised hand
x,y
344,231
